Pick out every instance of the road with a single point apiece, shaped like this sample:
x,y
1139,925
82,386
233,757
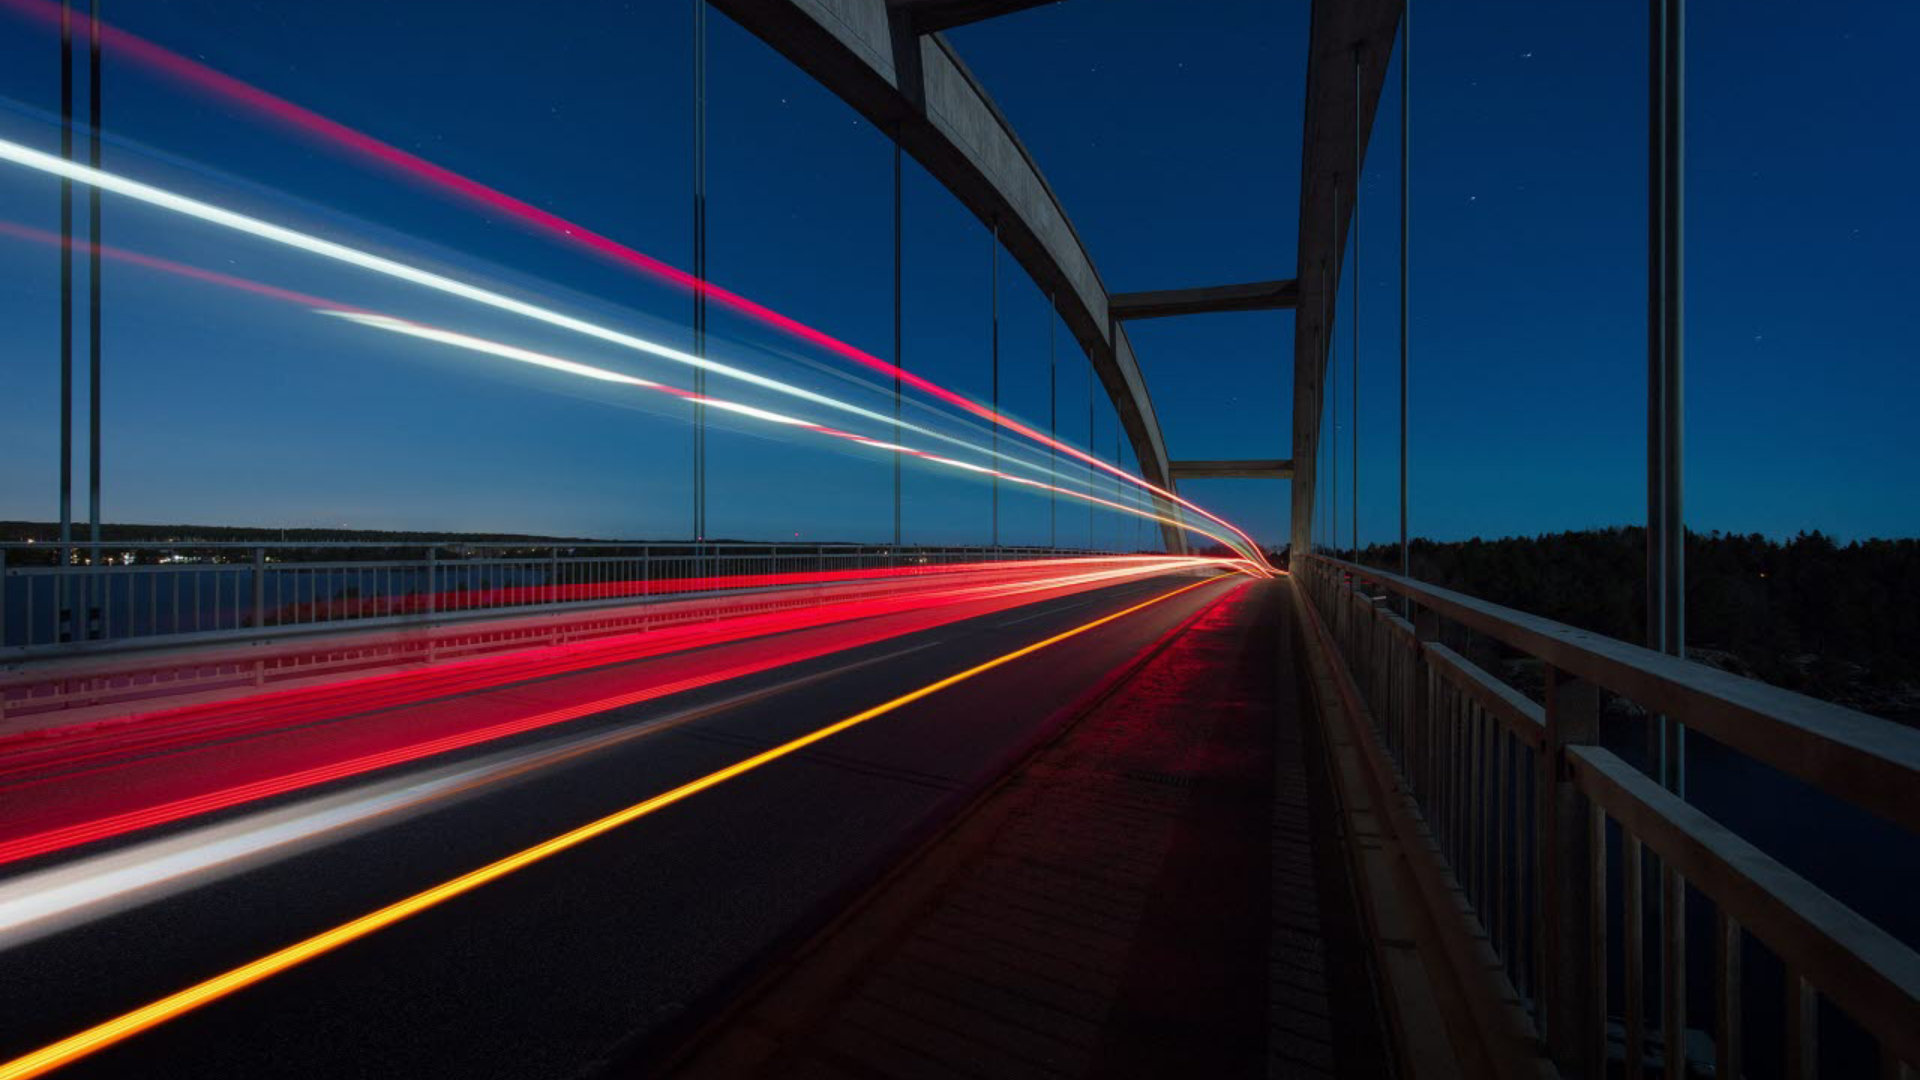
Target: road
x,y
609,945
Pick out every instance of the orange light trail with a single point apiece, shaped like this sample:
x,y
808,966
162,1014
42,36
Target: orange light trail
x,y
125,1026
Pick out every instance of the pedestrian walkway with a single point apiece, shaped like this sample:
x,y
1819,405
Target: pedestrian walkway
x,y
1139,898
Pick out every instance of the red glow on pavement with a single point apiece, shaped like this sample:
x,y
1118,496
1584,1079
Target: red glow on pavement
x,y
128,46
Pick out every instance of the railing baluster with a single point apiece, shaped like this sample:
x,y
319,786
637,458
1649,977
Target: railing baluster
x,y
1633,915
1802,1028
1476,825
1407,656
1597,935
1728,940
1461,756
1498,925
1673,965
1456,762
1448,760
1575,1020
1430,745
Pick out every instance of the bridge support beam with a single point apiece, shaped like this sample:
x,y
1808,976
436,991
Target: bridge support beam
x,y
1252,296
1346,67
933,16
1270,469
878,58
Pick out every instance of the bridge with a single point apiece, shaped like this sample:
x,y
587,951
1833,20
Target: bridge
x,y
1098,784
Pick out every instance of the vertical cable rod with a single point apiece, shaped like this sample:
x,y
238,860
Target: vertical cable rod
x,y
899,354
1053,422
699,266
993,278
68,619
1353,434
1666,526
1333,379
1406,216
93,289
1673,223
66,281
1090,445
1323,449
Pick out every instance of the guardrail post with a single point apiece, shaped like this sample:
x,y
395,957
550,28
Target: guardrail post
x,y
433,586
1418,766
259,588
1568,945
64,598
1382,705
1337,593
1353,599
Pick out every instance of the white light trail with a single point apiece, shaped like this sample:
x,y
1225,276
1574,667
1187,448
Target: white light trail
x,y
514,352
328,249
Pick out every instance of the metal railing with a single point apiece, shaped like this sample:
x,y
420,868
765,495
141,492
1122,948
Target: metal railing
x,y
1552,841
55,601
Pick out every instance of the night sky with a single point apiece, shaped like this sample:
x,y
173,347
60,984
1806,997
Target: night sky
x,y
1172,134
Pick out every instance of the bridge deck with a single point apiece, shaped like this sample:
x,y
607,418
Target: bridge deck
x,y
1142,896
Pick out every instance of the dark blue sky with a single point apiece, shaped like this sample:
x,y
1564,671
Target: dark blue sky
x,y
1171,133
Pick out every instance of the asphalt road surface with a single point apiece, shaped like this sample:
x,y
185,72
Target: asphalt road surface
x,y
615,944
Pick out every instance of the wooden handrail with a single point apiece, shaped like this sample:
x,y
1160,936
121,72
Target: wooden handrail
x,y
1869,762
1866,971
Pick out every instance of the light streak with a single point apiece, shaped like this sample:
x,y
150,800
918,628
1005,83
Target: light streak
x,y
209,80
48,901
376,319
151,262
122,1027
658,622
328,249
387,322
94,829
510,352
514,352
379,264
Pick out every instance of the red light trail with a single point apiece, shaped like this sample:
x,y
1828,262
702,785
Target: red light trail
x,y
168,791
649,630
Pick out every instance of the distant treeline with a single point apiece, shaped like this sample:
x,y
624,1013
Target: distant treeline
x,y
1838,622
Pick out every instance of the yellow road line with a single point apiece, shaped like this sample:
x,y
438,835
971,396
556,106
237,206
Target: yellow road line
x,y
100,1036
